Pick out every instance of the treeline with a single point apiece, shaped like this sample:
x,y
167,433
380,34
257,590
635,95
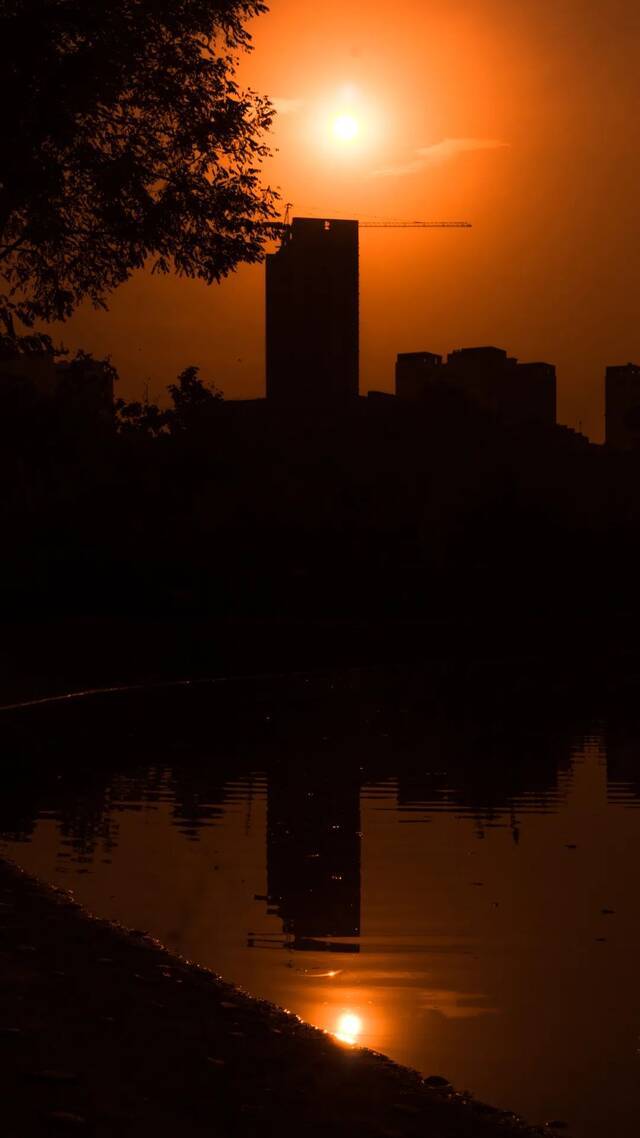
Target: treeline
x,y
208,510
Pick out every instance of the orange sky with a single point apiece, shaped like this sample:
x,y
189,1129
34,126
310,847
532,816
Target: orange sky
x,y
536,102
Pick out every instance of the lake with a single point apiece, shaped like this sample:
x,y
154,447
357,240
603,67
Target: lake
x,y
459,891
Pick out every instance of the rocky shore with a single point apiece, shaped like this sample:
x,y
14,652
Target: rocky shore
x,y
103,1032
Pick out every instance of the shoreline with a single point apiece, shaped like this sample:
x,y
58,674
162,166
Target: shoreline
x,y
41,660
104,1029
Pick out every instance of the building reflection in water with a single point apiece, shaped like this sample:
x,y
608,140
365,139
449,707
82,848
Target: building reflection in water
x,y
313,858
623,763
448,952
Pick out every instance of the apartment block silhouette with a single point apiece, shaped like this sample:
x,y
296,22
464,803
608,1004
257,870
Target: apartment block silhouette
x,y
515,393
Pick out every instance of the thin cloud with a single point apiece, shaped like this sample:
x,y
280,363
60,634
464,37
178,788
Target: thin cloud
x,y
440,152
286,106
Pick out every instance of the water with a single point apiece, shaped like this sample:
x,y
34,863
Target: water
x,y
463,898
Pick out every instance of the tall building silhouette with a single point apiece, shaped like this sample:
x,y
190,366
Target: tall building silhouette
x,y
514,392
622,407
312,314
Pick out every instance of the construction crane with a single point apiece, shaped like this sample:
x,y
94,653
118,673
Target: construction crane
x,y
390,223
386,223
414,225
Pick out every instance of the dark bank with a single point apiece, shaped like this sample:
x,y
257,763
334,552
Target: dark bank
x,y
104,1030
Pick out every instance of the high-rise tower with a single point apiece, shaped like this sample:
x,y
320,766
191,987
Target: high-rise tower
x,y
312,314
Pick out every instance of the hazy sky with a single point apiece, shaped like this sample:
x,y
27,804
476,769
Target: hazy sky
x,y
518,115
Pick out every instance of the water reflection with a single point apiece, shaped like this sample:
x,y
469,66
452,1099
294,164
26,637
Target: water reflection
x,y
623,767
313,857
348,1028
460,896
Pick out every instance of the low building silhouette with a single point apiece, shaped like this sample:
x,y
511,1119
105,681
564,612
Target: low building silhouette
x,y
622,407
515,393
312,305
416,372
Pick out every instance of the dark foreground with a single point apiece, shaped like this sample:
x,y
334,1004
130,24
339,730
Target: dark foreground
x,y
103,1032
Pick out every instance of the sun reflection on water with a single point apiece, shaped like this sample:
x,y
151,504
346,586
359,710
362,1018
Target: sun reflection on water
x,y
348,1028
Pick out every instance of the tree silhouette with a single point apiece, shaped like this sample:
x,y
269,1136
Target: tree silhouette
x,y
191,399
125,141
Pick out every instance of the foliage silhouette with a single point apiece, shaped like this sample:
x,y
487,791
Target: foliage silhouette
x,y
128,142
192,399
36,343
135,418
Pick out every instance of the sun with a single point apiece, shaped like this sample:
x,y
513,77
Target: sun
x,y
345,128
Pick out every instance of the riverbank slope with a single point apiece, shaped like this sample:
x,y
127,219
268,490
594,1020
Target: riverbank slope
x,y
103,1031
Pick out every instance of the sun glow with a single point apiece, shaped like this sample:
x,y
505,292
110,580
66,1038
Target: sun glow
x,y
348,1028
345,128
